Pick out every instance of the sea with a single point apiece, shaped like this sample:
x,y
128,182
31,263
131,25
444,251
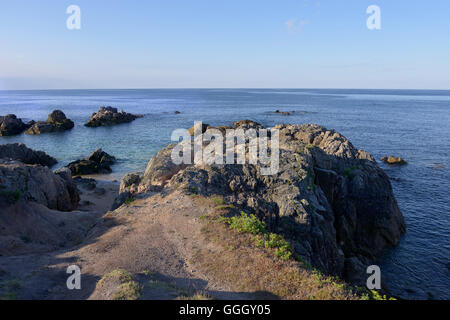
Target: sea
x,y
413,124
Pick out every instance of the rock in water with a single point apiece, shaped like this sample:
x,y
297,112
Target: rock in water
x,y
56,122
394,160
107,116
38,184
331,200
98,162
20,152
10,125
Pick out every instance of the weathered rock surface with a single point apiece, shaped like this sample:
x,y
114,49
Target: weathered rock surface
x,y
394,160
204,128
56,122
20,152
98,162
107,116
331,200
32,183
10,125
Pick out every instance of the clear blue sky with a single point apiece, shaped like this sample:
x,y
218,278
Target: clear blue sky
x,y
224,43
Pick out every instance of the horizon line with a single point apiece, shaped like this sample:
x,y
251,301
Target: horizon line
x,y
227,88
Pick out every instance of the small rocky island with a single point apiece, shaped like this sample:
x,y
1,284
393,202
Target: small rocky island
x,y
11,125
394,160
108,116
56,122
98,162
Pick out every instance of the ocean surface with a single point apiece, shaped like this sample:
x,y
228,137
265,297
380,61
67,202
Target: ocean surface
x,y
408,123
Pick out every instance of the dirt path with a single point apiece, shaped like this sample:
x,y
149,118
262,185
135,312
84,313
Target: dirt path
x,y
153,238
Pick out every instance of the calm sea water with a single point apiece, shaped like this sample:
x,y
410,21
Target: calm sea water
x,y
411,124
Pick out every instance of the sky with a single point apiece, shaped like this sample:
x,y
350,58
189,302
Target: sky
x,y
224,44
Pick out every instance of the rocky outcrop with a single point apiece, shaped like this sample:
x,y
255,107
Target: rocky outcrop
x,y
31,183
204,128
20,152
107,116
394,160
10,125
331,200
98,162
56,122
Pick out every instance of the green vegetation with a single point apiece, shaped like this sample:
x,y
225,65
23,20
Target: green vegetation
x,y
262,238
247,223
312,178
119,275
127,291
282,248
129,201
246,261
197,296
191,190
218,200
11,196
10,290
25,239
348,172
374,295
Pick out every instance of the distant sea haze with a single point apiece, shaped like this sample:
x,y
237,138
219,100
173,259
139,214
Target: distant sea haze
x,y
412,124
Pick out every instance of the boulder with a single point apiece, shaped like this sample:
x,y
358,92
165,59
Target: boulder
x,y
205,127
394,160
107,116
11,125
329,199
98,162
56,122
161,167
20,152
31,183
247,124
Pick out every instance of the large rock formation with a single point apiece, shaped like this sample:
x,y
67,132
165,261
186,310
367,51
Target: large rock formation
x,y
20,152
98,162
10,125
107,116
56,122
331,200
32,183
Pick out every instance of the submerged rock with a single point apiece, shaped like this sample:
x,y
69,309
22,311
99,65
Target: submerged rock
x,y
284,113
331,200
394,160
20,152
98,162
10,125
31,183
107,116
56,122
